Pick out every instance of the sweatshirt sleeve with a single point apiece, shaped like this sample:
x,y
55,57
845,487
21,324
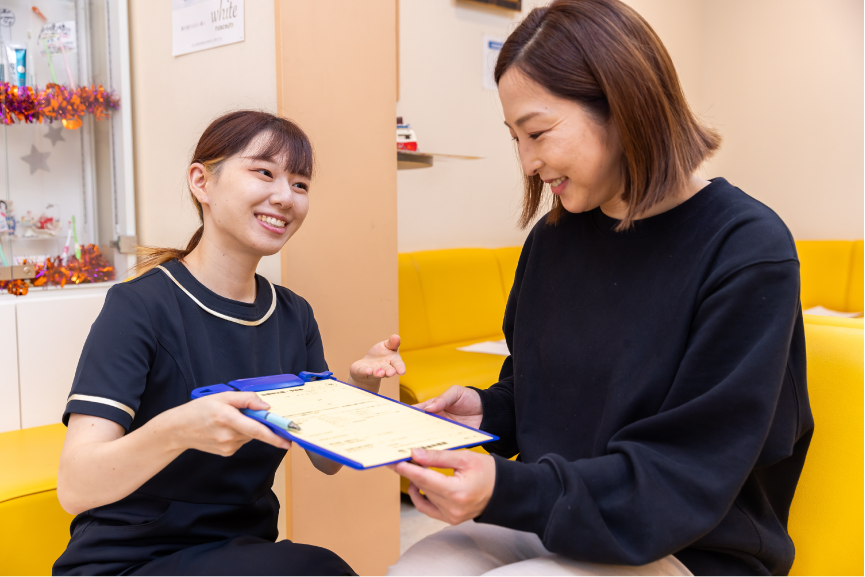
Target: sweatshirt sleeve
x,y
668,479
499,410
499,413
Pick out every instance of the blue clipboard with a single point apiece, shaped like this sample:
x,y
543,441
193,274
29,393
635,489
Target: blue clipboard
x,y
288,381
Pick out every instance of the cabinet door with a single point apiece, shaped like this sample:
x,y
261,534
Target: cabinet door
x,y
10,417
51,333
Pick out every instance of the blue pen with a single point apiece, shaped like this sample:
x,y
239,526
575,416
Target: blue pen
x,y
272,418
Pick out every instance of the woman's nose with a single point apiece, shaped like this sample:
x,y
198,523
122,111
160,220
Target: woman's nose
x,y
283,195
530,162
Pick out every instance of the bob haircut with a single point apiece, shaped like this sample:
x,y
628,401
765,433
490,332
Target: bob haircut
x,y
604,56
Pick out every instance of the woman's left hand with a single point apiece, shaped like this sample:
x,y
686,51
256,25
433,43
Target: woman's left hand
x,y
382,360
450,499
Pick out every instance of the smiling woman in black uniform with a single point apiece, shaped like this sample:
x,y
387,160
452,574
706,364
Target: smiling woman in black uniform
x,y
164,485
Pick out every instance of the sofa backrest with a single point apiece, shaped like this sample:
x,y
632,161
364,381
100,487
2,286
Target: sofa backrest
x,y
453,295
826,517
831,273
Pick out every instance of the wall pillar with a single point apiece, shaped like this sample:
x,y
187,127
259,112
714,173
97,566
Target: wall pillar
x,y
336,77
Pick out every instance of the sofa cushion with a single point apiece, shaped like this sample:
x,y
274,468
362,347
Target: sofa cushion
x,y
433,370
825,272
855,296
34,529
462,294
826,517
508,258
413,327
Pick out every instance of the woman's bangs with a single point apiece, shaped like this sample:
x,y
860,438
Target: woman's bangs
x,y
288,146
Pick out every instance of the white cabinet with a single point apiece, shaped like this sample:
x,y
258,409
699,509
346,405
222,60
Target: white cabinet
x,y
41,337
10,410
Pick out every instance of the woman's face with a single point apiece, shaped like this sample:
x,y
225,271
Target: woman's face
x,y
251,205
562,143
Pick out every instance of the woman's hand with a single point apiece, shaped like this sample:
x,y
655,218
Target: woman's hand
x,y
213,424
382,360
450,499
457,404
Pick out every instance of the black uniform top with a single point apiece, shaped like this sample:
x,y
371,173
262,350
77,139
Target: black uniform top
x,y
656,390
151,345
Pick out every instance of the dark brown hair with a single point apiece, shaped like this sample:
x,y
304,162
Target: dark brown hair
x,y
226,136
603,55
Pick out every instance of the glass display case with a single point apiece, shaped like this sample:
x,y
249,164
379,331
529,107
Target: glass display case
x,y
66,181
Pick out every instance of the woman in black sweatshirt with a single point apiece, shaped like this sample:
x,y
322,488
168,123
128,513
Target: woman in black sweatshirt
x,y
655,394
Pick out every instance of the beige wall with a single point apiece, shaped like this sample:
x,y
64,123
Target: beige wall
x,y
338,79
783,83
781,79
459,202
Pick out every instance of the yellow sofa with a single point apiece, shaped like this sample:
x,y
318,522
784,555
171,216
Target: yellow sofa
x,y
449,298
826,519
831,273
34,529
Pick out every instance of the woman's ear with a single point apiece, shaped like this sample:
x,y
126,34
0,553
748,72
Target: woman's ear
x,y
197,178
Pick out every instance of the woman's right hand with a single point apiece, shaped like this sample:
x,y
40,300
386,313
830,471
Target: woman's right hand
x,y
457,404
214,424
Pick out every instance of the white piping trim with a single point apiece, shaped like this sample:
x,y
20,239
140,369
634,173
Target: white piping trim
x,y
220,315
102,400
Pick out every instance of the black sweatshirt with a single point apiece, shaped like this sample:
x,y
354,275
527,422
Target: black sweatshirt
x,y
656,389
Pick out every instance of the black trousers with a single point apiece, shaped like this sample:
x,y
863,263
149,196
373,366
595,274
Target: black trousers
x,y
247,555
143,535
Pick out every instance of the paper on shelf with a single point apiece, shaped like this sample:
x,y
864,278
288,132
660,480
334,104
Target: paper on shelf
x,y
362,427
488,347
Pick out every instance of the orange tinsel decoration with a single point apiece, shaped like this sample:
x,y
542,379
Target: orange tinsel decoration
x,y
54,102
93,267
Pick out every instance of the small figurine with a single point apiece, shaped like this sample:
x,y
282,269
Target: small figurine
x,y
4,210
9,212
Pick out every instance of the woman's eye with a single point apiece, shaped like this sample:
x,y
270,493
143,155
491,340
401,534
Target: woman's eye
x,y
536,135
302,186
265,172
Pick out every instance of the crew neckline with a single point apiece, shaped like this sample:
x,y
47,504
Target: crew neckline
x,y
244,311
660,223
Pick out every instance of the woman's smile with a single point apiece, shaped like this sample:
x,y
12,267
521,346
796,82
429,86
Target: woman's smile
x,y
271,223
558,185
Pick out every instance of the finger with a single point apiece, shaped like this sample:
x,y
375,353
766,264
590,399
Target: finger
x,y
392,343
426,479
427,403
441,459
423,504
255,430
397,363
243,401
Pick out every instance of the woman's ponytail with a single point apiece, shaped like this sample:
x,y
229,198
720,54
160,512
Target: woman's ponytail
x,y
152,256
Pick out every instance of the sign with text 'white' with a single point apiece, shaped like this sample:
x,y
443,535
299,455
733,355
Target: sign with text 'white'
x,y
202,24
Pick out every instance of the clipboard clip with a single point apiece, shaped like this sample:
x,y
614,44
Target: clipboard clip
x,y
255,384
308,377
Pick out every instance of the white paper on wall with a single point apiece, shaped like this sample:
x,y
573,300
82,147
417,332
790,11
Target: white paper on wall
x,y
55,34
492,47
202,24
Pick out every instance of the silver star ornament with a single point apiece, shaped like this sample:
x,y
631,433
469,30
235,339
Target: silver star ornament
x,y
55,135
37,160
